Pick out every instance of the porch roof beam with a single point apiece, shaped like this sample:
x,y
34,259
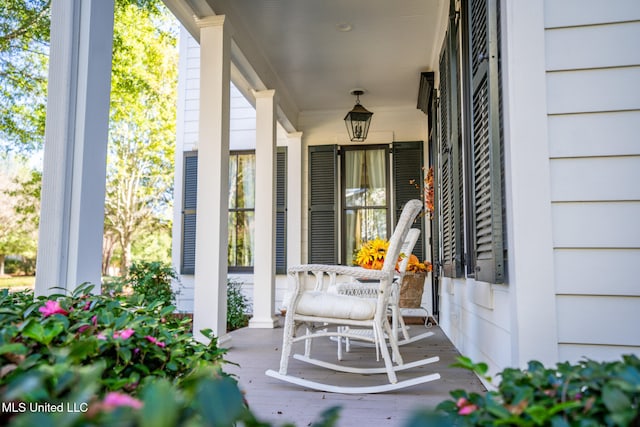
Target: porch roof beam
x,y
250,69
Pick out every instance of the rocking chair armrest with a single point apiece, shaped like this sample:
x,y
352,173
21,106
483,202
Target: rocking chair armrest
x,y
356,272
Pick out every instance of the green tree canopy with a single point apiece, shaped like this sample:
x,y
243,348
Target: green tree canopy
x,y
142,111
142,124
19,205
24,58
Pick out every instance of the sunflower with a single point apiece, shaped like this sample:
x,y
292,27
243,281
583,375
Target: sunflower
x,y
371,254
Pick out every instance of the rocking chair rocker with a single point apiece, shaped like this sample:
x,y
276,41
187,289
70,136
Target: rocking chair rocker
x,y
320,311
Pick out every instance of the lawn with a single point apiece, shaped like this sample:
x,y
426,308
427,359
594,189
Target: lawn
x,y
17,281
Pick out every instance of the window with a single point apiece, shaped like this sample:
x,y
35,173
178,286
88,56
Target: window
x,y
363,204
241,211
242,167
365,197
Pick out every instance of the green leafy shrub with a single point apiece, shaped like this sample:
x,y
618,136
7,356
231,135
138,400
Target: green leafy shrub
x,y
586,394
237,306
202,399
152,281
19,266
49,342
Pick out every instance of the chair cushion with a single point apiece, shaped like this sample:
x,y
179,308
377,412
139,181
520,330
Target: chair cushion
x,y
323,304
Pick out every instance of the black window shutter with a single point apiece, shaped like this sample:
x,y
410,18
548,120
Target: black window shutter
x,y
434,162
281,211
323,196
408,163
189,203
450,159
486,146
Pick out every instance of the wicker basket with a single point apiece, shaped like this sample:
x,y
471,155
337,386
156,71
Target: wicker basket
x,y
411,289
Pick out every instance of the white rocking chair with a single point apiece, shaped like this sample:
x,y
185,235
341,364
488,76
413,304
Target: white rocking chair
x,y
320,310
370,290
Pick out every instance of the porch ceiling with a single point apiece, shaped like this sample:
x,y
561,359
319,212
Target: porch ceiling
x,y
297,44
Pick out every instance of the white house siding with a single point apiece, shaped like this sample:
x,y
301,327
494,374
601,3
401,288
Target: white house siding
x,y
593,106
592,101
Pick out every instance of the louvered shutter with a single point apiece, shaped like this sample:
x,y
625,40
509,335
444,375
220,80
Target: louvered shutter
x,y
189,201
486,141
434,162
281,210
323,195
408,162
451,160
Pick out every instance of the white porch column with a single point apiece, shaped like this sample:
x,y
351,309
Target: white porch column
x,y
265,214
75,150
294,198
210,278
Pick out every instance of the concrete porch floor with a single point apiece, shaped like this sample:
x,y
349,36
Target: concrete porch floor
x,y
256,350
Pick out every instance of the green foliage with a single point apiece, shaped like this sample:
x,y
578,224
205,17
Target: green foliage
x,y
155,244
19,266
141,125
18,227
24,56
588,393
237,306
92,357
26,193
133,341
152,282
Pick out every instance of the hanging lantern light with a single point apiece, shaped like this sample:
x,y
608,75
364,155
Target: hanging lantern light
x,y
358,119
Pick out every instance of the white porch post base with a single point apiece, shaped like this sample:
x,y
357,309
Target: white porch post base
x,y
264,323
224,341
210,276
75,153
265,216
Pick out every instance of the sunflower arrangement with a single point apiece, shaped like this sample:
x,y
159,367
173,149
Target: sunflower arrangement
x,y
371,254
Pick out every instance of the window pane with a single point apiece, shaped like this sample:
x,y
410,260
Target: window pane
x,y
376,177
233,171
244,242
241,202
233,220
246,181
365,214
354,178
365,180
363,225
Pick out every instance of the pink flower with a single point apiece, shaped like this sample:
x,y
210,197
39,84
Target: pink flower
x,y
52,307
87,306
466,410
101,336
155,341
462,402
94,322
124,334
115,399
465,407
